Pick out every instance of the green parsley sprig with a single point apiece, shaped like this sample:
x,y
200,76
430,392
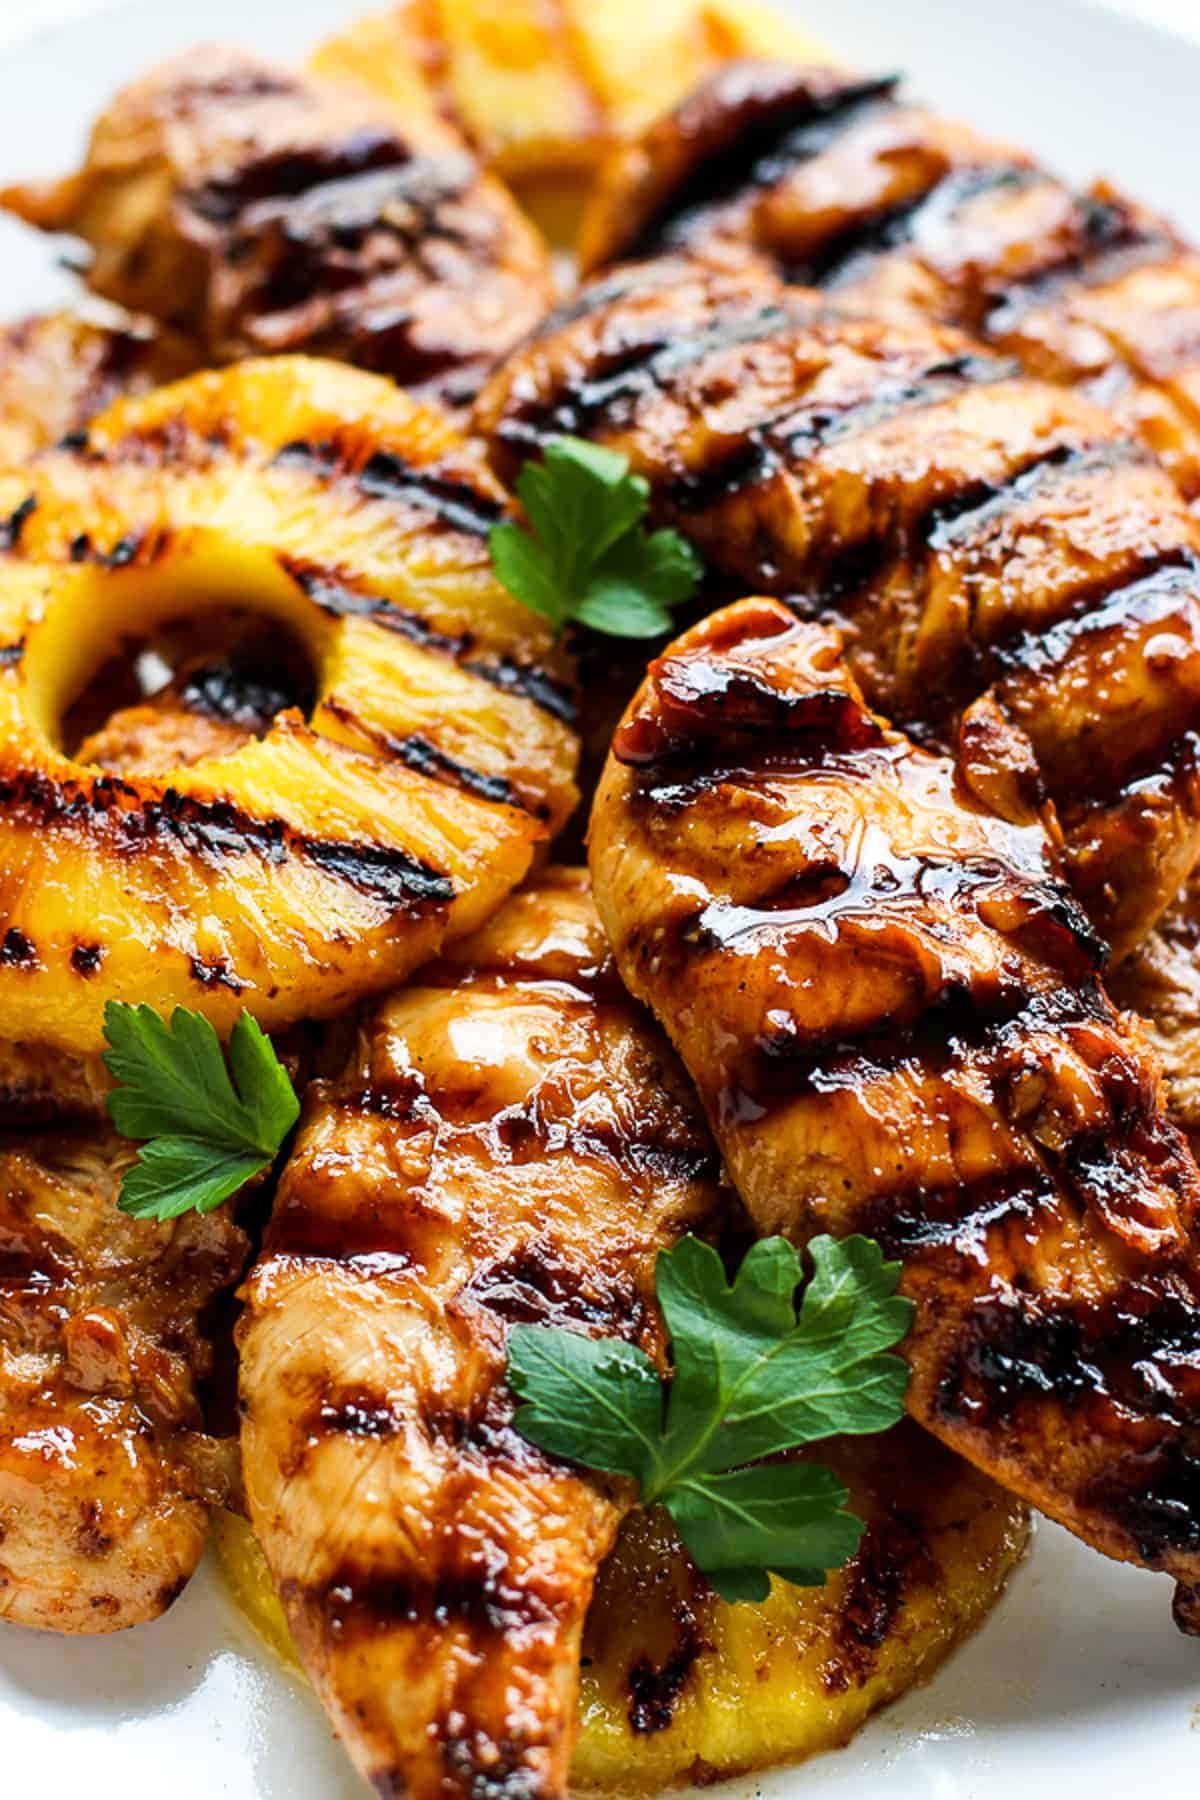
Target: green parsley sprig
x,y
207,1126
588,556
752,1377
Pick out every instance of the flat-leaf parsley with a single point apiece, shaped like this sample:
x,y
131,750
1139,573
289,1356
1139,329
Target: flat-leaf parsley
x,y
588,555
752,1377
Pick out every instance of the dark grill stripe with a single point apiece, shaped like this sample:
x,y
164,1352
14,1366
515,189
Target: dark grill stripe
x,y
336,595
845,256
798,126
213,832
390,477
418,752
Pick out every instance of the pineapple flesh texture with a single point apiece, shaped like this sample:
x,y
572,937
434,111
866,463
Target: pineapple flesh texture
x,y
679,1686
325,860
545,88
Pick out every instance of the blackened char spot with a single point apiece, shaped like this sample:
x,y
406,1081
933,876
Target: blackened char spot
x,y
16,950
356,1413
655,1689
893,1556
216,973
285,174
87,958
12,527
534,1286
11,654
1112,236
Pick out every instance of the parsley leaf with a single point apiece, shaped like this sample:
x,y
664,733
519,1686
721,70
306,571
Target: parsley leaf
x,y
588,555
752,1378
208,1130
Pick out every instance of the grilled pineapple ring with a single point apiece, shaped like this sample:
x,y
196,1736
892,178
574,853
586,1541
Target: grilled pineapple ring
x,y
678,1685
325,860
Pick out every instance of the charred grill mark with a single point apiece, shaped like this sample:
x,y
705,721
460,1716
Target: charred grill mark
x,y
962,1023
843,257
535,1286
216,973
606,398
87,958
213,832
1138,1346
655,1690
340,598
18,951
355,1413
1153,594
419,752
1113,239
290,174
809,427
390,477
11,654
892,1557
363,1601
781,129
1160,1508
239,691
12,527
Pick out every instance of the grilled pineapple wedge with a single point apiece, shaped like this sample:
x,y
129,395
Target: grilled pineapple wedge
x,y
677,1685
325,859
544,88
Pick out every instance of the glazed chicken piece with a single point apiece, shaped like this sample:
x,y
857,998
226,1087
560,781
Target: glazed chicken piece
x,y
257,210
891,1006
902,215
512,1142
57,372
1010,566
106,1472
1160,982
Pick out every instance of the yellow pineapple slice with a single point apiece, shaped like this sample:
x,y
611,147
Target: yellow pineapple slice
x,y
544,88
679,1686
323,861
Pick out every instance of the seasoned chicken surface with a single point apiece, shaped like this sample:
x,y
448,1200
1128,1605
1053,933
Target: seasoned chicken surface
x,y
57,372
1009,565
512,1141
1161,983
899,214
891,1006
298,867
105,1470
258,210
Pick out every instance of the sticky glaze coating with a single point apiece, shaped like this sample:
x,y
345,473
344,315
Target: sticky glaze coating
x,y
57,372
1160,982
978,535
890,1004
512,1142
323,859
901,215
260,210
105,1471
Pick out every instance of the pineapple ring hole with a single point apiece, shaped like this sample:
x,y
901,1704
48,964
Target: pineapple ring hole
x,y
176,663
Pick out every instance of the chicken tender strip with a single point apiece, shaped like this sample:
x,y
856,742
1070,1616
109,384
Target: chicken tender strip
x,y
891,1006
259,210
512,1142
1001,553
899,214
105,1468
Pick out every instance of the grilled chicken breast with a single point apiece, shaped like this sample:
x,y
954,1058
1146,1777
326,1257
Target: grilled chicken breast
x,y
543,88
257,210
1161,983
324,859
105,1469
57,372
511,1142
1005,559
890,1004
899,214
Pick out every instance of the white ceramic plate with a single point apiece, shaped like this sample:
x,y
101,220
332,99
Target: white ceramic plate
x,y
1078,1685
